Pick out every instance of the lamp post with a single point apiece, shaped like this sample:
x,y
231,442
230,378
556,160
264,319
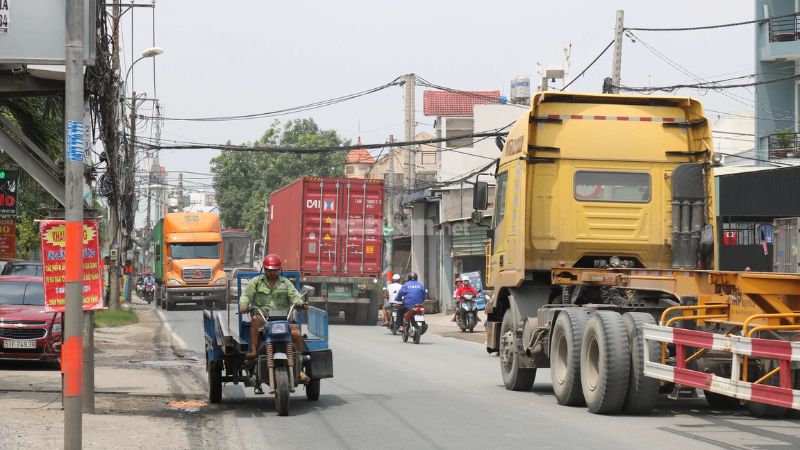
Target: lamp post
x,y
125,201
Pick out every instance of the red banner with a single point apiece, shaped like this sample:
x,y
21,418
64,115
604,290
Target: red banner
x,y
8,238
53,235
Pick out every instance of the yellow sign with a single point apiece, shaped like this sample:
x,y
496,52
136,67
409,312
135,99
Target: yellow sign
x,y
369,249
327,237
328,220
57,235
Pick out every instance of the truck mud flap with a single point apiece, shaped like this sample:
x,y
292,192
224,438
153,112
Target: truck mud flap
x,y
321,364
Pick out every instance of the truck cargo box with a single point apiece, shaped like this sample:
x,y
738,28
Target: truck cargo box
x,y
328,226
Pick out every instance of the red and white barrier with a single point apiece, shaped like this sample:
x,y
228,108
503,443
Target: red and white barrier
x,y
784,352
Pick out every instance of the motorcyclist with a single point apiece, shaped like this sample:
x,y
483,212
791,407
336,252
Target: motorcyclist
x,y
391,297
465,288
411,294
269,291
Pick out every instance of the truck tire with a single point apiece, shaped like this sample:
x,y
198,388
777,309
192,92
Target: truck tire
x,y
605,362
763,410
515,378
374,308
642,391
168,305
719,401
312,390
565,357
214,382
281,391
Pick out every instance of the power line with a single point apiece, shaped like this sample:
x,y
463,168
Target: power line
x,y
294,109
590,65
711,27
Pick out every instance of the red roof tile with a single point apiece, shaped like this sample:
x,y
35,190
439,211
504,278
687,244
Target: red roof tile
x,y
444,103
359,156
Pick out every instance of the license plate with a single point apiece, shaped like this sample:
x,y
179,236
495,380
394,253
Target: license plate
x,y
394,315
419,318
19,344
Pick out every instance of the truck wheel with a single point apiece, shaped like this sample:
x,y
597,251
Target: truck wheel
x,y
168,305
373,310
605,362
312,390
214,382
642,391
281,391
763,410
515,378
565,357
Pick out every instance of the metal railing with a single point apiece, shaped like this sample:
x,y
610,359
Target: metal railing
x,y
784,145
784,29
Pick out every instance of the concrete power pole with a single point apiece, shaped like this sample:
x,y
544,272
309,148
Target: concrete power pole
x,y
180,192
616,64
72,356
113,235
411,170
390,198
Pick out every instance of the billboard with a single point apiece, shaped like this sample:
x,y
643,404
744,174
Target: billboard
x,y
33,31
8,238
8,192
53,237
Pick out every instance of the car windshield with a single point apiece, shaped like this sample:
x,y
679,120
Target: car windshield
x,y
22,293
194,251
23,270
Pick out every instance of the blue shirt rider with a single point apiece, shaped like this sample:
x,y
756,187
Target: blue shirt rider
x,y
411,294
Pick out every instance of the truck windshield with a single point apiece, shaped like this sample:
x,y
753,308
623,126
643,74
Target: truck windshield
x,y
626,187
237,251
194,251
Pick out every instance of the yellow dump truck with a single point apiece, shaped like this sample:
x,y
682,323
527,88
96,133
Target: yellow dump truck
x,y
189,261
602,259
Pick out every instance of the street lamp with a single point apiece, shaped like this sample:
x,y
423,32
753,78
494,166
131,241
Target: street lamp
x,y
148,53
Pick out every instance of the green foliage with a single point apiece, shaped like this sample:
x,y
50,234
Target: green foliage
x,y
243,180
785,137
115,318
41,119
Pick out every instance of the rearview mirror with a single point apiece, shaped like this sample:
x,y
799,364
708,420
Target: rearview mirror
x,y
308,289
480,197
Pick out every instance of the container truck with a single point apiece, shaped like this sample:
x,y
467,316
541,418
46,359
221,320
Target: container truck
x,y
603,262
189,261
329,232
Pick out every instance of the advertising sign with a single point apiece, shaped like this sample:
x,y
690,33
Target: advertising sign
x,y
53,235
8,192
8,238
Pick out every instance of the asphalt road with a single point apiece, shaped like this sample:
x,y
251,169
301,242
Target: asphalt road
x,y
447,393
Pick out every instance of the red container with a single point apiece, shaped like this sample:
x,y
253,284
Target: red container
x,y
328,226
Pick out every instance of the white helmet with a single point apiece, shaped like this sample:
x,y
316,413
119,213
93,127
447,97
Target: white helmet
x,y
396,277
464,279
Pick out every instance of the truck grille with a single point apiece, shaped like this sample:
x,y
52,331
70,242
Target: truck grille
x,y
197,274
22,333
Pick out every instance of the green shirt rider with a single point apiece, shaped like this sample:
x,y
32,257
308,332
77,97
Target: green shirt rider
x,y
270,292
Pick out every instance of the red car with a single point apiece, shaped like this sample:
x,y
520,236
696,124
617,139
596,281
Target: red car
x,y
27,331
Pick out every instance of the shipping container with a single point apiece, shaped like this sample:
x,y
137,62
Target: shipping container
x,y
328,226
329,231
786,237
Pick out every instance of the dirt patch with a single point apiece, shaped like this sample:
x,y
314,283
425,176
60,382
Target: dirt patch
x,y
139,380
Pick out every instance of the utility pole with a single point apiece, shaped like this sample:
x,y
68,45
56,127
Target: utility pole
x,y
72,348
113,154
411,170
616,64
391,198
180,192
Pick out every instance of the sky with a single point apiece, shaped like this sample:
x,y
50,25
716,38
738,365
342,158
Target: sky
x,y
250,56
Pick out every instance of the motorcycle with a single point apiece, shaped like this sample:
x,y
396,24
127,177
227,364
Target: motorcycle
x,y
414,325
149,292
467,313
140,289
393,322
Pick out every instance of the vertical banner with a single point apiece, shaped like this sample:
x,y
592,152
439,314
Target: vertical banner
x,y
8,190
53,237
8,238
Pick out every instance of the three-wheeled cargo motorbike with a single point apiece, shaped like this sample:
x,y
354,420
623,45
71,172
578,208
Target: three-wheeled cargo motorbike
x,y
277,364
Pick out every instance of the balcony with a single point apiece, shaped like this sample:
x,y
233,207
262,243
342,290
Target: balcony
x,y
784,29
784,145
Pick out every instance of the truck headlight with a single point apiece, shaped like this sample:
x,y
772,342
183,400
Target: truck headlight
x,y
221,281
173,282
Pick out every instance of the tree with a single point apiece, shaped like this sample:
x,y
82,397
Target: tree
x,y
243,180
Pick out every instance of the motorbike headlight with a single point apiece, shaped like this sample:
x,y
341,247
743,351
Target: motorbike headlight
x,y
221,281
280,328
56,327
173,282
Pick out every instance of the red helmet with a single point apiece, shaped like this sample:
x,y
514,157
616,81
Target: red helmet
x,y
272,262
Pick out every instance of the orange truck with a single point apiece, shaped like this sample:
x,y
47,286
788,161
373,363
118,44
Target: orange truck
x,y
189,260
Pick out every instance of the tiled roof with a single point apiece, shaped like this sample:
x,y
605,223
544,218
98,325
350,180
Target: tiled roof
x,y
444,103
359,156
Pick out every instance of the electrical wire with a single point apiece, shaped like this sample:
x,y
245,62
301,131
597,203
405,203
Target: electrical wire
x,y
587,67
711,27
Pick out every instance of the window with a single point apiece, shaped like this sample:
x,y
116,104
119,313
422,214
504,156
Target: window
x,y
349,170
612,187
428,158
500,199
194,251
455,128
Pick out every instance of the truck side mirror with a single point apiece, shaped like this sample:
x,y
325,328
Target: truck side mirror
x,y
308,289
480,197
